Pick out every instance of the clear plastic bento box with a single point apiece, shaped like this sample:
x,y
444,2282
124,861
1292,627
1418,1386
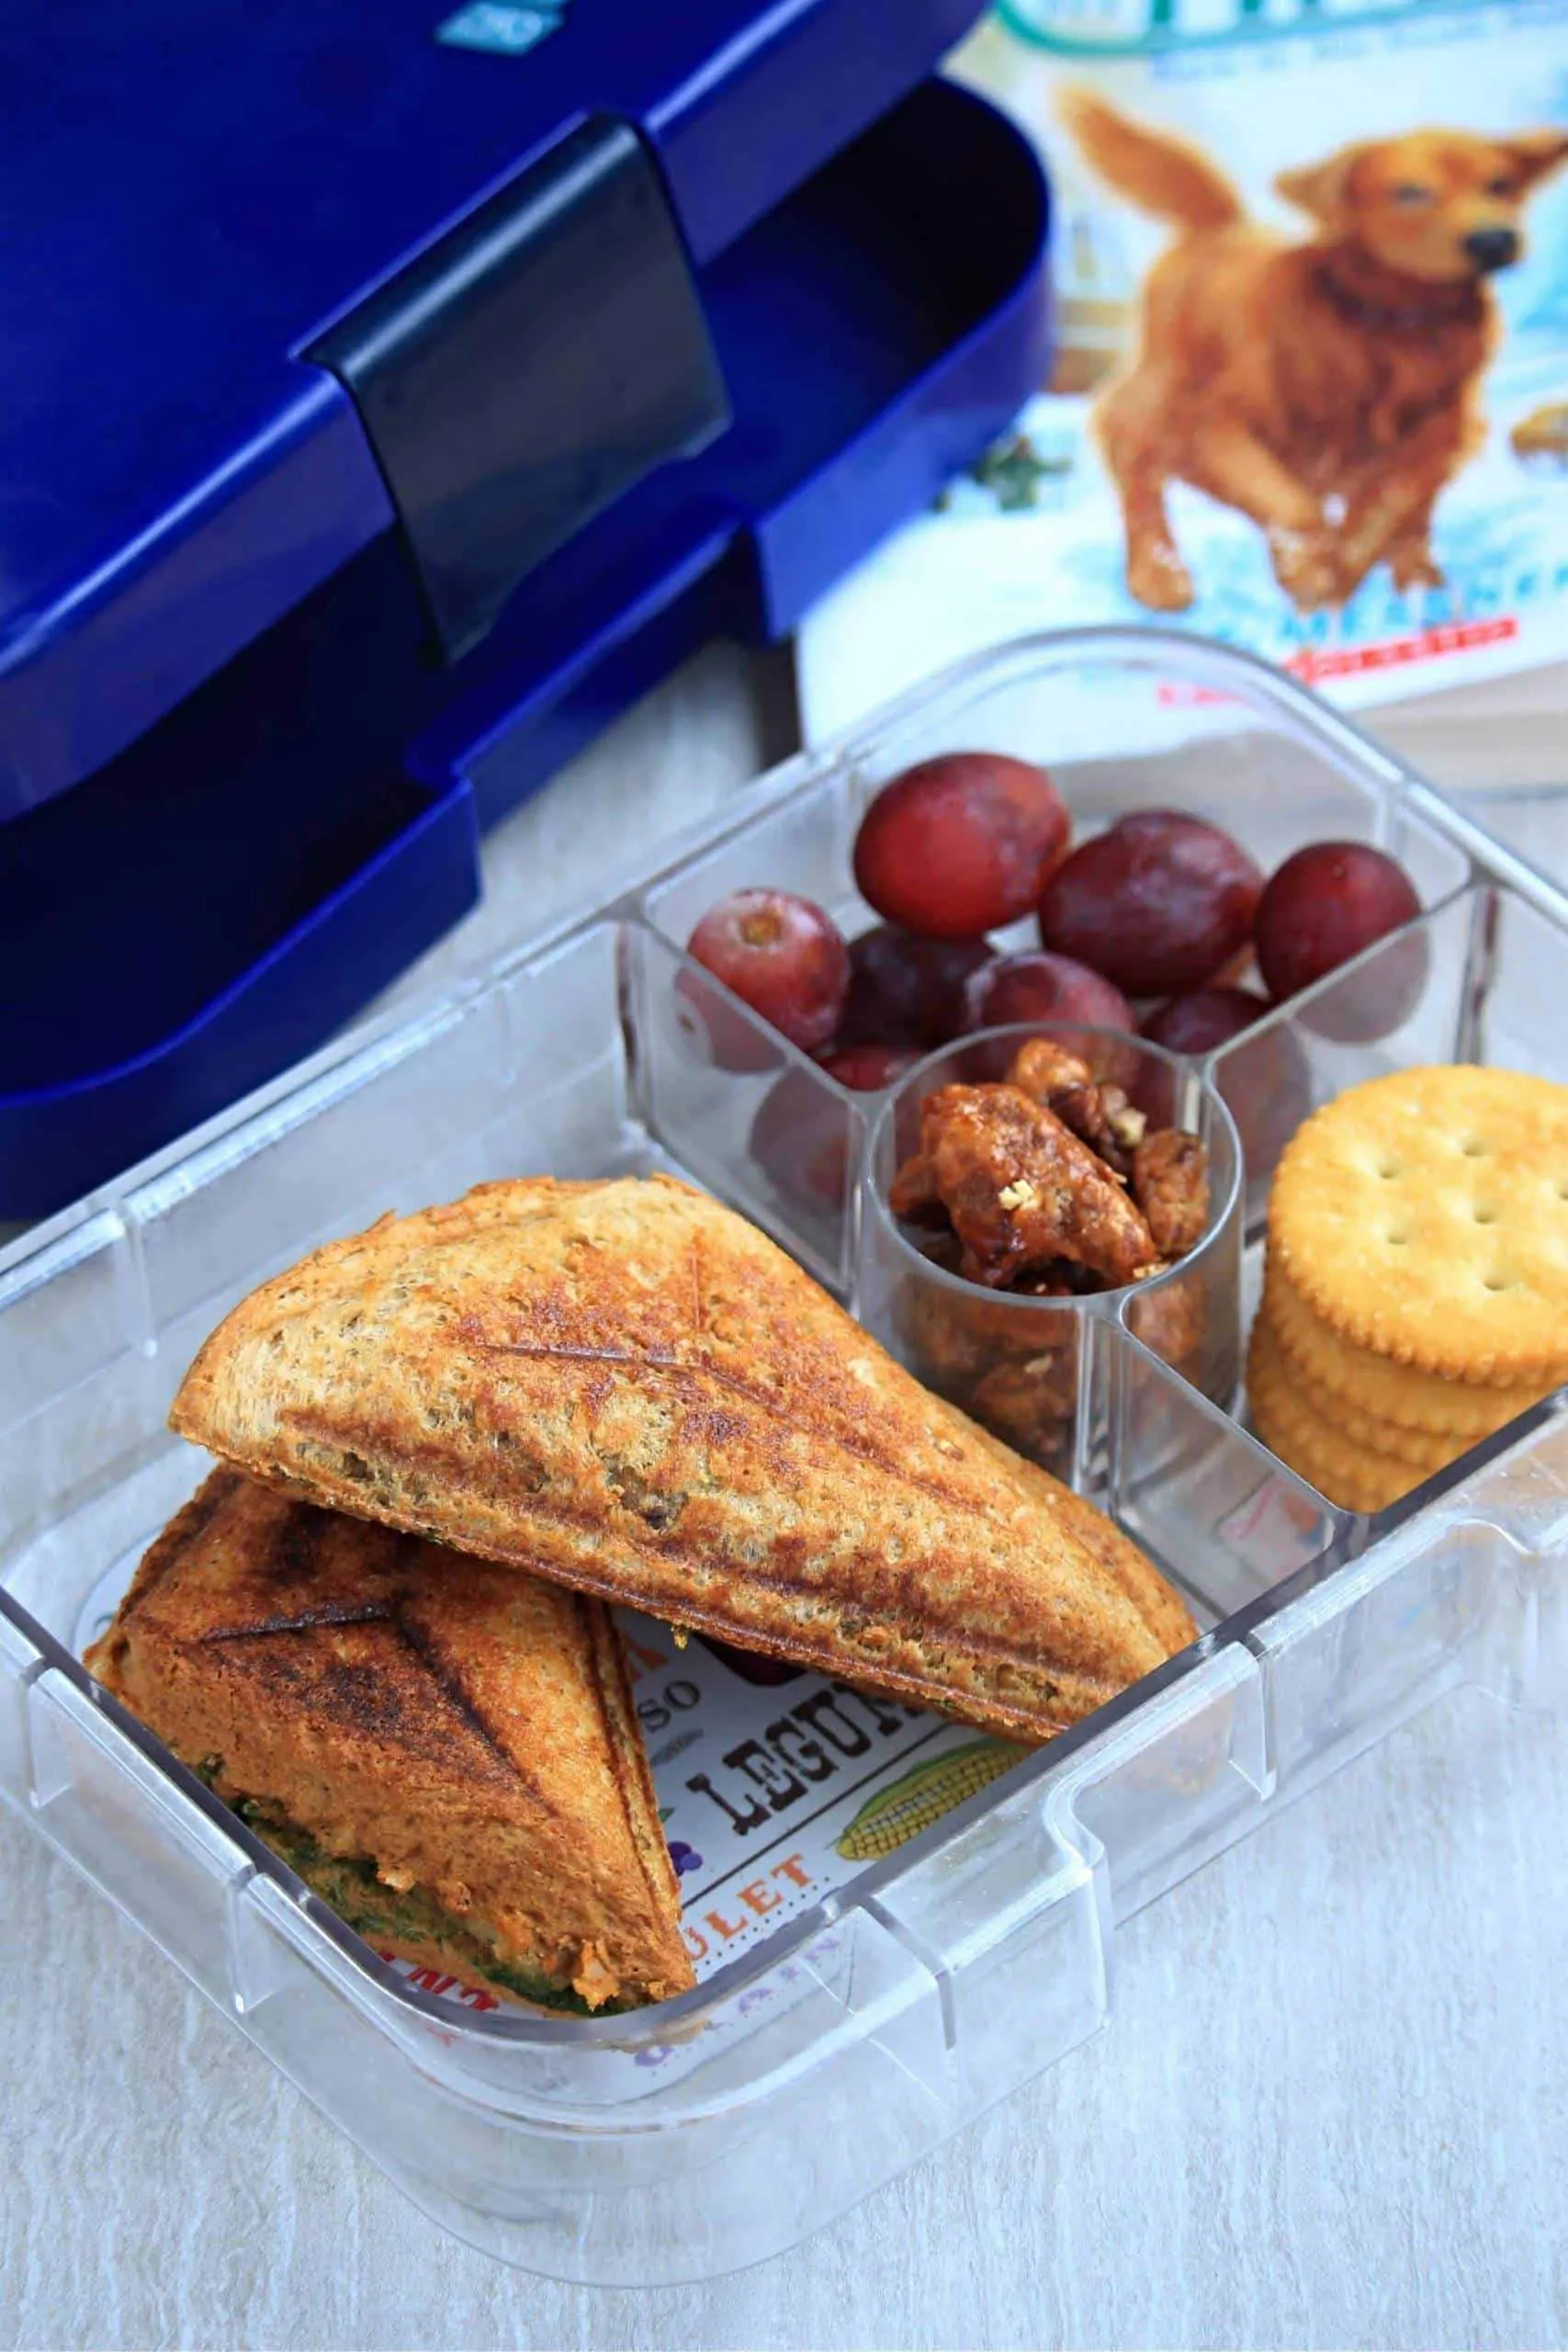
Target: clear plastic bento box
x,y
893,2005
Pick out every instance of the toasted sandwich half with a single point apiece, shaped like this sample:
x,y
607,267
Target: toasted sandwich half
x,y
626,1387
446,1751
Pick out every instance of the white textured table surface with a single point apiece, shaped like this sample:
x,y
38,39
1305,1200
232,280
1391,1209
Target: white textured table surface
x,y
1331,2108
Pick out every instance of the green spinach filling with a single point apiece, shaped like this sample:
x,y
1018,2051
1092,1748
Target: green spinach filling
x,y
382,1914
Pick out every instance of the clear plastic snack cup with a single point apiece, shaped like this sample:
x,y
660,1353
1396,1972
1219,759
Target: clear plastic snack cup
x,y
1036,1370
887,2000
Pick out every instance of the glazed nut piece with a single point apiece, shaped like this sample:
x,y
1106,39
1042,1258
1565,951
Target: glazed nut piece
x,y
1098,1113
1043,1068
914,1196
956,1336
1173,1321
1032,1404
1170,1184
1020,1188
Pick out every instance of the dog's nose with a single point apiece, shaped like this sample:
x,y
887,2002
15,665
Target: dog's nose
x,y
1492,249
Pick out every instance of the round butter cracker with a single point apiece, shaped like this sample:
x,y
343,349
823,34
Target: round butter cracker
x,y
1396,1396
1425,1450
1349,1475
1424,1217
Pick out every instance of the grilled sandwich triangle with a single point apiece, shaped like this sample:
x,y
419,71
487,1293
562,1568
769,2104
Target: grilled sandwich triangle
x,y
626,1388
446,1751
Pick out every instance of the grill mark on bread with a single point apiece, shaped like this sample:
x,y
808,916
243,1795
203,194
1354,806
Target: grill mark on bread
x,y
898,1683
974,1696
829,1659
875,1457
356,1692
696,1564
682,1367
984,1654
979,1702
696,1561
302,1621
296,1541
448,1681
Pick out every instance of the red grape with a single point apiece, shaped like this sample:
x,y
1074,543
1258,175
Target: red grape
x,y
908,991
1204,1018
960,844
1268,1085
1265,1081
783,958
1049,989
1044,988
866,1069
1159,904
1325,905
800,1137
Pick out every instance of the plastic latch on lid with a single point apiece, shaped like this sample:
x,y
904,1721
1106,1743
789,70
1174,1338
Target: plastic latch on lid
x,y
1154,1797
1012,1925
20,1663
1523,1497
257,1965
48,1761
529,369
110,1810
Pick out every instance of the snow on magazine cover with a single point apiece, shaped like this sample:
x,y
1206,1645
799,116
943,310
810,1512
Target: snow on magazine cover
x,y
1310,393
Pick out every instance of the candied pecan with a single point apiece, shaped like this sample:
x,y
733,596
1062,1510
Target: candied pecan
x,y
1032,1405
1099,1114
1174,1322
955,1337
1021,1189
1170,1184
1043,1068
1059,1278
914,1198
1105,1120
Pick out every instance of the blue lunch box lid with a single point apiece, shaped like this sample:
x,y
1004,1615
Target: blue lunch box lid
x,y
197,191
302,819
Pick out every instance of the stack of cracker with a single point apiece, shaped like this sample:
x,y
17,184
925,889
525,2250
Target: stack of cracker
x,y
1416,1295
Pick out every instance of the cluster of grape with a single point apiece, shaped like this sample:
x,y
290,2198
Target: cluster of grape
x,y
1162,906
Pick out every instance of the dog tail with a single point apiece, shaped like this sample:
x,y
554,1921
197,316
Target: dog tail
x,y
1160,174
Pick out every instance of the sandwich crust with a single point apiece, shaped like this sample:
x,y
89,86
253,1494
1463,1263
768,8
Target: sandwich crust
x,y
448,1750
626,1388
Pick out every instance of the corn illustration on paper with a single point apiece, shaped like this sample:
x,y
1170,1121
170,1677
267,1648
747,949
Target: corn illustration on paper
x,y
912,1802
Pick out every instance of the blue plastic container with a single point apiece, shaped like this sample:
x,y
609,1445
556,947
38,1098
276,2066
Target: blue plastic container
x,y
380,382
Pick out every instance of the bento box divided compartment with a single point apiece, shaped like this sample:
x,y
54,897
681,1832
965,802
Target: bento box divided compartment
x,y
688,2140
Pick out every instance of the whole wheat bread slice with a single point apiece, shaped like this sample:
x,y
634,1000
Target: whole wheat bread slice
x,y
446,1750
626,1387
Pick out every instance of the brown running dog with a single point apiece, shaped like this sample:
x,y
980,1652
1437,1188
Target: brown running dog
x,y
1329,389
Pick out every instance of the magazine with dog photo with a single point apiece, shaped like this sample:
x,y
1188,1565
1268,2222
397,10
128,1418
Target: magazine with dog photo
x,y
1310,393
